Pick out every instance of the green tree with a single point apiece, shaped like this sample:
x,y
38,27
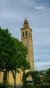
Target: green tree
x,y
21,62
7,51
12,54
35,77
26,66
47,76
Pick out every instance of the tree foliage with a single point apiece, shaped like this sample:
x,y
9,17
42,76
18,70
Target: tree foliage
x,y
47,75
12,53
40,79
7,50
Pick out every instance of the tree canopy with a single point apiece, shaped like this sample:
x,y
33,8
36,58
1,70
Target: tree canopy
x,y
7,50
12,55
12,52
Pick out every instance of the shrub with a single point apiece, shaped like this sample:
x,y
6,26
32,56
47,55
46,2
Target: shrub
x,y
3,85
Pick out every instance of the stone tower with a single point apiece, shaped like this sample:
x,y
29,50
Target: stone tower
x,y
26,37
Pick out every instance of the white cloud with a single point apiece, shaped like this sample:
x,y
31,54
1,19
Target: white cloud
x,y
38,7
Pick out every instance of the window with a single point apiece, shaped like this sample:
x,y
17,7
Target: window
x,y
26,33
23,34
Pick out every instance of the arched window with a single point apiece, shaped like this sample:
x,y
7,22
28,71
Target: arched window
x,y
26,33
23,34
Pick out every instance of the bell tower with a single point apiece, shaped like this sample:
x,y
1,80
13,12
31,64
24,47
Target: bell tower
x,y
26,38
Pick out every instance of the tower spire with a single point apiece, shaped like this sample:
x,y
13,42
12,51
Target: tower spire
x,y
26,24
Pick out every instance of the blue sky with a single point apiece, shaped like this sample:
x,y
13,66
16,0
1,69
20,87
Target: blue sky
x,y
12,15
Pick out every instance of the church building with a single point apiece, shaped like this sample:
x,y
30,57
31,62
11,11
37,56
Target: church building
x,y
26,38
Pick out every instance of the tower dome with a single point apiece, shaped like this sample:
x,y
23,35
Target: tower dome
x,y
26,24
